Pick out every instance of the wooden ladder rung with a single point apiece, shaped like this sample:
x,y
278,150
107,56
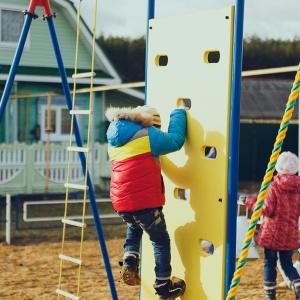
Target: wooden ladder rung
x,y
78,149
84,75
74,223
81,112
66,294
71,259
77,186
108,216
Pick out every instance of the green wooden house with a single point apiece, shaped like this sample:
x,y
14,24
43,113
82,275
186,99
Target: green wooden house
x,y
25,115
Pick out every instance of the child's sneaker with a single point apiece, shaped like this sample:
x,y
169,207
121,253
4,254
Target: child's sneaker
x,y
129,273
170,290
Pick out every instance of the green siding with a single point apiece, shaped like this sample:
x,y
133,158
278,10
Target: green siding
x,y
39,60
27,113
40,52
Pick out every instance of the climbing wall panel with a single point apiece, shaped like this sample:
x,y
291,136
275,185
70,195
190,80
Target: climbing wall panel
x,y
190,58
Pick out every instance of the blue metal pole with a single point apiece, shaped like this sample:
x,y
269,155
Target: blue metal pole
x,y
234,142
82,158
151,9
15,64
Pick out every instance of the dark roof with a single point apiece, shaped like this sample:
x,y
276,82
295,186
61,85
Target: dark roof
x,y
264,100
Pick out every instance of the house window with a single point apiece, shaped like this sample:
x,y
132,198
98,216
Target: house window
x,y
11,25
56,123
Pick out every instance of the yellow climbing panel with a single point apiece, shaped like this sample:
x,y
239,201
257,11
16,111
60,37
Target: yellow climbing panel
x,y
190,57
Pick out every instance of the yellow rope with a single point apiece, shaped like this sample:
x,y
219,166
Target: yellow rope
x,y
70,144
264,186
88,144
70,154
73,107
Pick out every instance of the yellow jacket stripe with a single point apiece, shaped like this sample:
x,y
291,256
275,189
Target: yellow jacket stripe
x,y
133,148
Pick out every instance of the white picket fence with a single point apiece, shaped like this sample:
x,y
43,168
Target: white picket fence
x,y
24,169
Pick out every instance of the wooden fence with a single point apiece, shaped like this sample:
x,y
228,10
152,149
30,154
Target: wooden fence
x,y
27,169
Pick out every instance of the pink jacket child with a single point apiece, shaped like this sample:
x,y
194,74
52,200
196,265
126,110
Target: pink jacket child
x,y
279,233
281,209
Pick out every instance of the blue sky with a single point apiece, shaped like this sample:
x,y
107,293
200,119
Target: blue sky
x,y
127,18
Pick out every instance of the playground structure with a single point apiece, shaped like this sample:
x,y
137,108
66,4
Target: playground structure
x,y
203,210
214,209
83,152
228,17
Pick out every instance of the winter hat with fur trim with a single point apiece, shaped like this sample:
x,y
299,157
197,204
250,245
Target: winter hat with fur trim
x,y
287,163
145,115
149,110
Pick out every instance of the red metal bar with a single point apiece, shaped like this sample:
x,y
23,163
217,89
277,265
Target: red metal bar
x,y
44,3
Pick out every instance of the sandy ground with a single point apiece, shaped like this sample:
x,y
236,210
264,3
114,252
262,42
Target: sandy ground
x,y
31,271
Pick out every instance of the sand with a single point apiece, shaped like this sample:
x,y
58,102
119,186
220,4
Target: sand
x,y
30,270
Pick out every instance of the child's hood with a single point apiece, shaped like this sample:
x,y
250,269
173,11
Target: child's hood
x,y
128,113
287,182
125,122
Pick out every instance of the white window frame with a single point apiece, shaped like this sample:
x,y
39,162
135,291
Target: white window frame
x,y
56,136
13,45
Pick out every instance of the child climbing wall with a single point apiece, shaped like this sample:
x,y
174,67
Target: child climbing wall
x,y
190,57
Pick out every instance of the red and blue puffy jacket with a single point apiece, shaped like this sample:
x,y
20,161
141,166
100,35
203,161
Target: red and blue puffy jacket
x,y
134,146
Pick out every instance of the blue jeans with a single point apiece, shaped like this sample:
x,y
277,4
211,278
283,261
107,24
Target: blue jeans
x,y
152,221
270,263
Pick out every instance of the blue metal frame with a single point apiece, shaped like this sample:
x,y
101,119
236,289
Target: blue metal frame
x,y
234,133
234,142
67,93
151,13
15,64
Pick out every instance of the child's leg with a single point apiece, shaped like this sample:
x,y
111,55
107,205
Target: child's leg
x,y
129,273
154,224
133,235
270,263
287,266
290,271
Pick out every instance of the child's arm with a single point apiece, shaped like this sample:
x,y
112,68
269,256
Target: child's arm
x,y
250,202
